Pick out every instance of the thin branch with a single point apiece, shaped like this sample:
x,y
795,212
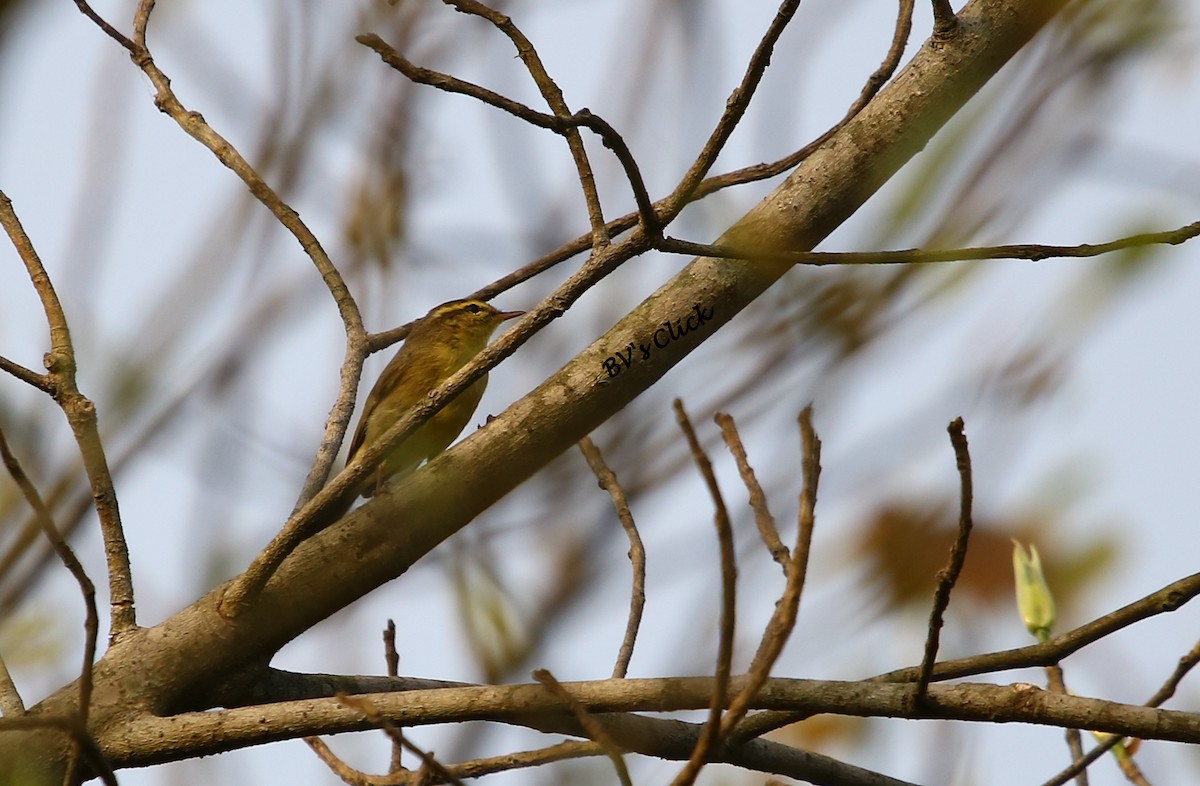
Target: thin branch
x,y
647,216
474,768
372,714
554,98
783,620
557,123
712,727
108,29
891,60
392,658
948,575
1160,697
1169,598
30,377
452,84
872,86
72,564
81,415
1185,665
348,775
916,256
637,551
709,185
195,126
594,729
735,109
758,500
1057,683
706,187
141,19
571,749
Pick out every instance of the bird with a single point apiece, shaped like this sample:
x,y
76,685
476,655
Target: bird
x,y
439,344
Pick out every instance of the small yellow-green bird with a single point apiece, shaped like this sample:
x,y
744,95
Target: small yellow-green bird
x,y
439,344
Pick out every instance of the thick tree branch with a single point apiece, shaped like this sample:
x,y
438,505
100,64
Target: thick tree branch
x,y
150,740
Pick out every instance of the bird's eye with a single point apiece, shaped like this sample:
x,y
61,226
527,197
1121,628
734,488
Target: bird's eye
x,y
473,308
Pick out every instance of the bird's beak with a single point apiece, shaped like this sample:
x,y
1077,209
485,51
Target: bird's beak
x,y
507,315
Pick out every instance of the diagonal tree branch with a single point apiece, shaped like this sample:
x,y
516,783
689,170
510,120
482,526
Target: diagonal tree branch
x,y
81,415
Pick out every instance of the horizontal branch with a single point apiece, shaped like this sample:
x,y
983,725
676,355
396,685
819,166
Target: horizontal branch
x,y
152,740
916,256
1168,599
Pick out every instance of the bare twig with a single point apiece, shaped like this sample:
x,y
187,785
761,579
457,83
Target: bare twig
x,y
909,256
948,575
475,768
28,376
72,564
1185,665
560,124
712,727
369,711
758,500
1160,697
735,109
108,29
590,725
1169,598
810,447
647,216
891,60
337,766
1056,683
555,100
392,658
706,187
81,415
783,620
637,551
510,761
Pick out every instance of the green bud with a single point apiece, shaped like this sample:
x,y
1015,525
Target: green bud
x,y
1034,600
